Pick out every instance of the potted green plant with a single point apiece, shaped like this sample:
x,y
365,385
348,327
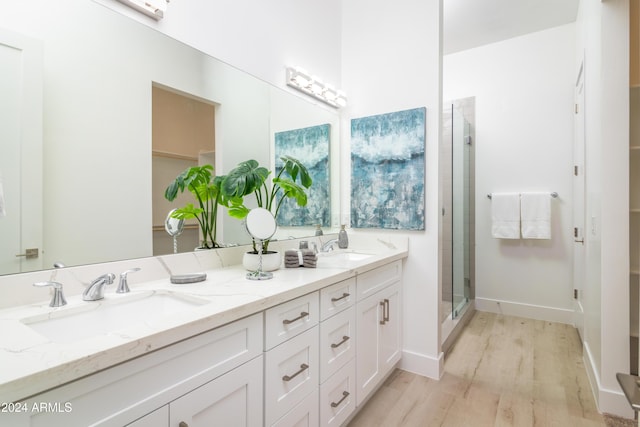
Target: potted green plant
x,y
205,187
290,182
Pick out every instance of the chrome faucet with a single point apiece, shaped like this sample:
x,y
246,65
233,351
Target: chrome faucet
x,y
328,247
95,290
58,299
123,285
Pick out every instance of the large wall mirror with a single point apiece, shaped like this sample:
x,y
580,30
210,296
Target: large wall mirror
x,y
95,71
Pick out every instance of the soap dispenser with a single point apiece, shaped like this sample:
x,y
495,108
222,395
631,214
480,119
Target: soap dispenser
x,y
319,230
343,239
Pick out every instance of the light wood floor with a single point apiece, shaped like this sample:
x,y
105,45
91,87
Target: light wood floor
x,y
502,371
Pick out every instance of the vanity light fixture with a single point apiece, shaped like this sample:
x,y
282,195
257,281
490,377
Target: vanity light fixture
x,y
299,79
152,8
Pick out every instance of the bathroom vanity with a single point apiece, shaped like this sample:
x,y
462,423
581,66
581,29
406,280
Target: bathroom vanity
x,y
304,348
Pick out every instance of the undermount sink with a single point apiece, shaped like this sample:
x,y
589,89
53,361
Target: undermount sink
x,y
350,256
340,257
88,319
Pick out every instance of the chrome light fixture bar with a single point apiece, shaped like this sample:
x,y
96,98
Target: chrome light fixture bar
x,y
152,8
299,79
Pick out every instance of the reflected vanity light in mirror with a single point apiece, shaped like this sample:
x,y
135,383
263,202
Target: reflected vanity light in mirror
x,y
299,79
152,8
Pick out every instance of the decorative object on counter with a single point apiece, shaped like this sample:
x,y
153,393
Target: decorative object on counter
x,y
180,279
311,147
205,188
319,230
174,228
343,239
309,258
250,178
387,170
292,258
261,225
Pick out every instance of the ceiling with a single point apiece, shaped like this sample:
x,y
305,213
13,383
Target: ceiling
x,y
473,23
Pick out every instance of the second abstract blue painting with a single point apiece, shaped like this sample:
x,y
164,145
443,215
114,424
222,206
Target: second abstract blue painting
x,y
387,170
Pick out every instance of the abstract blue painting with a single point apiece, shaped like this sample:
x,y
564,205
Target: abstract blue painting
x,y
311,146
387,170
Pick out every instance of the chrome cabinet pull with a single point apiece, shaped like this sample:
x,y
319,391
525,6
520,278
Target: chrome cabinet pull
x,y
344,295
303,368
383,321
345,394
344,340
386,310
303,314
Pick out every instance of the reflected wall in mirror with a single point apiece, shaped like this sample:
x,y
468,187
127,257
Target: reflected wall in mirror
x,y
98,73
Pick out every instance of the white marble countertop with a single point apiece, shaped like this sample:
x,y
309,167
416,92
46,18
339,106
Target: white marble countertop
x,y
31,363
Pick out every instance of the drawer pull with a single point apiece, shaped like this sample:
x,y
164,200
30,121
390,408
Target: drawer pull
x,y
345,394
303,314
344,340
386,310
344,295
303,368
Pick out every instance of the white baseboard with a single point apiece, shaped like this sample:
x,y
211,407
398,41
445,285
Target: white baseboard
x,y
608,401
421,364
529,311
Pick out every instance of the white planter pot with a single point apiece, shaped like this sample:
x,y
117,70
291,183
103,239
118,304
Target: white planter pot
x,y
270,261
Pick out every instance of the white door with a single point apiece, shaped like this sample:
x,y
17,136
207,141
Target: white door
x,y
579,275
20,152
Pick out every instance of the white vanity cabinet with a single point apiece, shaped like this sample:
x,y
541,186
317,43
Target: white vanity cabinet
x,y
337,352
378,319
291,359
139,391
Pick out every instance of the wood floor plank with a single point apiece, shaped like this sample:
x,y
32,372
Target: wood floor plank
x,y
502,371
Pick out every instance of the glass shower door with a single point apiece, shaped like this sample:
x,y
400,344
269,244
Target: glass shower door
x,y
461,185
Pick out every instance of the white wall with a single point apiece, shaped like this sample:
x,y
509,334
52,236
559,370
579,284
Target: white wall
x,y
391,62
603,37
523,89
258,37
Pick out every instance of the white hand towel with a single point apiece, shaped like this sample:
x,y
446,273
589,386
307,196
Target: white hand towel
x,y
505,215
535,210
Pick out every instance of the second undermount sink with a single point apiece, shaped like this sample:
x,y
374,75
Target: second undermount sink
x,y
88,319
342,257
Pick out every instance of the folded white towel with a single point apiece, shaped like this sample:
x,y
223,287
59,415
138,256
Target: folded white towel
x,y
535,211
505,215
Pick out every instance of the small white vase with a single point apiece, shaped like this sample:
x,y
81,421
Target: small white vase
x,y
271,261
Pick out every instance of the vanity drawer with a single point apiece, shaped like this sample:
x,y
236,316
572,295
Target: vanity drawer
x,y
372,281
290,318
337,297
337,342
338,396
291,372
305,413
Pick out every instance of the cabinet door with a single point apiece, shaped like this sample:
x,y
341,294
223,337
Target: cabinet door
x,y
390,331
157,418
378,326
368,317
234,399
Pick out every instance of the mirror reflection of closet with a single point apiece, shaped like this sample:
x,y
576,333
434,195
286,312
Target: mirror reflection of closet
x,y
457,160
183,135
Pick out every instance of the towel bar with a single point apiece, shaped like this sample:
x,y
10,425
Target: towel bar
x,y
554,195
